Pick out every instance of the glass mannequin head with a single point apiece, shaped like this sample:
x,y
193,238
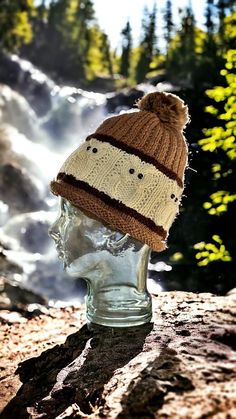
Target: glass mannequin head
x,y
113,264
77,233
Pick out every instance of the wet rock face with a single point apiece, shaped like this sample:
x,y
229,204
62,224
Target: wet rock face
x,y
24,225
18,186
37,90
14,297
5,145
7,267
16,111
17,189
124,99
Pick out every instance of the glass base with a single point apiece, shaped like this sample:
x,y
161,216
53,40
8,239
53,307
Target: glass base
x,y
122,318
119,306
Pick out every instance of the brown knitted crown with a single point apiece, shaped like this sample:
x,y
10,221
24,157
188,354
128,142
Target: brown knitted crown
x,y
155,135
130,172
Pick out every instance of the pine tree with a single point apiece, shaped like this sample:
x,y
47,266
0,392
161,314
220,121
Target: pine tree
x,y
210,47
69,23
83,17
210,61
106,54
148,44
169,25
187,35
182,56
209,17
221,5
126,50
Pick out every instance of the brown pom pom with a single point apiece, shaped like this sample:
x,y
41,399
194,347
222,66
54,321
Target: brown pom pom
x,y
169,108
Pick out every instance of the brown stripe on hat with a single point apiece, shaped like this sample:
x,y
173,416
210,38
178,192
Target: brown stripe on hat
x,y
137,152
111,216
71,180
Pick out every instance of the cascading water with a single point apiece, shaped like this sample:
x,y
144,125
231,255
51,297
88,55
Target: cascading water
x,y
28,161
40,124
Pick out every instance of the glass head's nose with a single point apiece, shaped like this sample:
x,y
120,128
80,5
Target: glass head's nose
x,y
54,231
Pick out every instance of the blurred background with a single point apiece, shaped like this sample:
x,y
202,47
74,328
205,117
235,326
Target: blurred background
x,y
67,64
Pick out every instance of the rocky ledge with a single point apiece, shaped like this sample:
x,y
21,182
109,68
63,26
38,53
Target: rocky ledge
x,y
182,365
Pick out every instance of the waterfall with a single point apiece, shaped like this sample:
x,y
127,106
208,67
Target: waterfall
x,y
40,123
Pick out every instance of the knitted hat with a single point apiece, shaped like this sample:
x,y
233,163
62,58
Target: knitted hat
x,y
130,172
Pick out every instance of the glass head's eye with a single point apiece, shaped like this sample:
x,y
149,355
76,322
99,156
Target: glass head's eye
x,y
140,176
95,150
117,236
131,171
172,196
88,148
176,199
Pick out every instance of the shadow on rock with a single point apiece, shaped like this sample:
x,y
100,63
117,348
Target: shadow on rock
x,y
74,372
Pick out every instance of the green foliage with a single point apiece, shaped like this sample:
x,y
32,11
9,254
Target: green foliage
x,y
223,136
15,26
211,252
78,50
230,31
224,6
209,209
98,55
219,202
220,139
72,19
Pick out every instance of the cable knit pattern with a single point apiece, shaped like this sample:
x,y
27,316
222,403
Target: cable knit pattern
x,y
144,131
129,173
126,178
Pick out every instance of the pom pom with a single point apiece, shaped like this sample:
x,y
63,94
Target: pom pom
x,y
169,108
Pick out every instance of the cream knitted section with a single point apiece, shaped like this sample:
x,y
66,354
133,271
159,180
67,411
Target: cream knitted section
x,y
126,178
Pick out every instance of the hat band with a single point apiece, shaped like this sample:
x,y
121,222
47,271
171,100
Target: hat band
x,y
137,152
71,180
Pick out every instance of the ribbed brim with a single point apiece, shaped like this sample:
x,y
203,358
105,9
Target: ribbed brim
x,y
108,214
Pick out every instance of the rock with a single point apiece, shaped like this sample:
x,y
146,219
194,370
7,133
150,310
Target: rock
x,y
5,146
11,317
21,184
8,267
103,84
26,240
124,99
17,303
157,78
183,365
22,340
29,231
28,81
20,296
18,191
16,111
75,114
